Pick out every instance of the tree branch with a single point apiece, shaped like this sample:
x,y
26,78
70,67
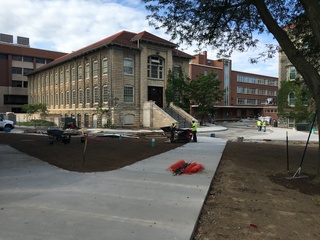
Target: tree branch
x,y
312,9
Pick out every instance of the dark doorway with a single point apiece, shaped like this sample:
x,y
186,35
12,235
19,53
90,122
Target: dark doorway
x,y
156,94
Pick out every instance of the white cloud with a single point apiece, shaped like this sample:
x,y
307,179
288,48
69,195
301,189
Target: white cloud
x,y
68,25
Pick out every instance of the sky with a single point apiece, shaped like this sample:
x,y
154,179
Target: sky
x,y
68,25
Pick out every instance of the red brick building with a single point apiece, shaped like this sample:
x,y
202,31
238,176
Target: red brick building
x,y
16,60
247,95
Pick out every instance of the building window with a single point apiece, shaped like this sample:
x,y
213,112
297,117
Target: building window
x,y
16,84
292,73
27,70
251,91
80,72
4,56
67,75
95,95
51,99
61,98
57,99
67,97
87,71
51,79
105,94
80,96
176,70
155,67
240,90
27,59
95,69
251,101
73,74
73,96
128,66
17,58
291,100
128,94
87,95
105,66
61,76
40,60
47,80
241,101
16,70
56,78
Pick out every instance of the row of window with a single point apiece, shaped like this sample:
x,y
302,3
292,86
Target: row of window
x,y
20,84
83,97
270,110
252,101
21,58
21,71
155,71
254,80
292,99
64,76
256,91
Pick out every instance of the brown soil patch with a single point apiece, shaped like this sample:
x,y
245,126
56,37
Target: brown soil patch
x,y
251,198
102,153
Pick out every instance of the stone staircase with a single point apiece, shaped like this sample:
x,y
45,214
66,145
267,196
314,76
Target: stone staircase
x,y
182,121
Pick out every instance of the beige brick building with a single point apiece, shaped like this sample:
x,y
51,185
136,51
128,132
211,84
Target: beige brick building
x,y
121,74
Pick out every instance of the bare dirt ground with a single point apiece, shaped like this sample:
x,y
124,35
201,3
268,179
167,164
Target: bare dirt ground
x,y
250,196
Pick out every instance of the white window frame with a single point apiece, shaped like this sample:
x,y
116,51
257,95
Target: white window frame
x,y
128,66
155,67
87,71
105,93
95,68
104,66
95,95
128,94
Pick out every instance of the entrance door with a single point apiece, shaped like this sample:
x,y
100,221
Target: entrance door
x,y
156,94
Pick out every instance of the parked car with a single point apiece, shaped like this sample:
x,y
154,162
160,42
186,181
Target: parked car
x,y
6,124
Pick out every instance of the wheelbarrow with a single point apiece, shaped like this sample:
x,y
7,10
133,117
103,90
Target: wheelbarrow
x,y
181,135
59,136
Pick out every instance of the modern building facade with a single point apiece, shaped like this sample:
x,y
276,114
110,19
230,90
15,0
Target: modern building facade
x,y
16,60
247,95
108,82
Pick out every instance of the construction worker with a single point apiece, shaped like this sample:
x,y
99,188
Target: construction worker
x,y
259,125
172,131
264,125
194,130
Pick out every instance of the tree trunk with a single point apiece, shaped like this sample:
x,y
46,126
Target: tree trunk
x,y
317,178
309,73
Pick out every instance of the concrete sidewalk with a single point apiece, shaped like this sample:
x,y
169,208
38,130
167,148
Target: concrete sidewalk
x,y
141,201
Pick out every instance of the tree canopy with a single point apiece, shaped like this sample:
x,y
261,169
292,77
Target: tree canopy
x,y
176,89
34,108
230,25
204,91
